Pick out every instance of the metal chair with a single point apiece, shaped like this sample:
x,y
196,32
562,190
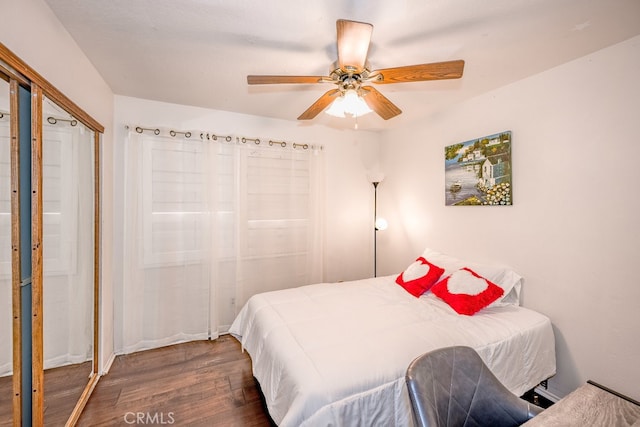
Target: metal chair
x,y
452,387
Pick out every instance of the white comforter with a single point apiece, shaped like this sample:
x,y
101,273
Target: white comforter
x,y
336,354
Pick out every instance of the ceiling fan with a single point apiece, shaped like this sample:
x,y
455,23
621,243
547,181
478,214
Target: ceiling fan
x,y
351,72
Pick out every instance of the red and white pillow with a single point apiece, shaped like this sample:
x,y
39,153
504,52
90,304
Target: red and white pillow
x,y
419,276
501,275
467,287
466,291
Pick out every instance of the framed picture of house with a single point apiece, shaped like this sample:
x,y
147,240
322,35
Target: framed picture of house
x,y
478,172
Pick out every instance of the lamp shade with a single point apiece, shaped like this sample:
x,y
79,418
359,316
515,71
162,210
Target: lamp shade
x,y
381,224
375,176
350,103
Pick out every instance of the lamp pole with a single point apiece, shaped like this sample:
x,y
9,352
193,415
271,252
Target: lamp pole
x,y
375,228
376,178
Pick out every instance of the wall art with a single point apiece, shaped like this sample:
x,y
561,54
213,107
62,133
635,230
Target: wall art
x,y
478,172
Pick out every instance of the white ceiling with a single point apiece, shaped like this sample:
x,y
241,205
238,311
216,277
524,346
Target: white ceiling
x,y
199,52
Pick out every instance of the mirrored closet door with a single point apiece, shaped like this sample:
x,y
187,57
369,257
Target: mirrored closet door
x,y
49,250
68,263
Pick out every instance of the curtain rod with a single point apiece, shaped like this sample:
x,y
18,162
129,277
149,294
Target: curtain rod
x,y
225,138
53,120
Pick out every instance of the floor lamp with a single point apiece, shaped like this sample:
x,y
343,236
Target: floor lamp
x,y
378,223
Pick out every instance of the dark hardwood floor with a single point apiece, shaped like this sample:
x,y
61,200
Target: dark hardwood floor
x,y
6,393
200,383
62,388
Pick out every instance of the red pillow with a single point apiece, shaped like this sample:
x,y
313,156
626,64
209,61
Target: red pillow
x,y
466,291
419,277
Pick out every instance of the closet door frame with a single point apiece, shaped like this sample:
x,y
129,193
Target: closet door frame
x,y
16,247
22,74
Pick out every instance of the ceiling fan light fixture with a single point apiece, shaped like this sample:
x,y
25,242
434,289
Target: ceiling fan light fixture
x,y
352,72
349,104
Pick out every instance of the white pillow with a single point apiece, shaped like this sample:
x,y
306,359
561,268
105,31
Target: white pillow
x,y
505,277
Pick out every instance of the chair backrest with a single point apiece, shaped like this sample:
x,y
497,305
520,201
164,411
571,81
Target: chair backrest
x,y
453,387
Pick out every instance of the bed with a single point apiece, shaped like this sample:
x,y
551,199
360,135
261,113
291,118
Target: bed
x,y
336,353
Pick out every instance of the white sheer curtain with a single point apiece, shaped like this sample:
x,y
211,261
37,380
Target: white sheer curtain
x,y
280,235
6,337
209,222
68,229
167,262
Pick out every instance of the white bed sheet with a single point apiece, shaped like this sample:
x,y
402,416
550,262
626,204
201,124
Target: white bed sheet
x,y
335,354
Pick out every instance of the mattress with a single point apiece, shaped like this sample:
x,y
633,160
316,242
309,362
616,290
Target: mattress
x,y
336,353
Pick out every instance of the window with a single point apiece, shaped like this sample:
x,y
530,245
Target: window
x,y
208,223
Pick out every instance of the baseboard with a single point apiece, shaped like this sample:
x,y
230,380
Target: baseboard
x,y
107,365
546,394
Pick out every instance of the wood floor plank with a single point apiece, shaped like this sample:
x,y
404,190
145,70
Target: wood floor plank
x,y
200,383
62,389
6,402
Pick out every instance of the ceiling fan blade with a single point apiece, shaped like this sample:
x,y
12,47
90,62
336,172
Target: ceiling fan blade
x,y
418,73
319,105
379,103
353,44
265,80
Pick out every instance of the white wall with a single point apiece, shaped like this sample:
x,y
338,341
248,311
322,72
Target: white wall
x,y
31,31
573,231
